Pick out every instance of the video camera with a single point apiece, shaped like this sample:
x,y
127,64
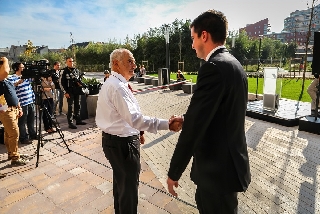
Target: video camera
x,y
36,69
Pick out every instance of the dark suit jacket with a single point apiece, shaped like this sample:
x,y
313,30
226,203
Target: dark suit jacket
x,y
213,131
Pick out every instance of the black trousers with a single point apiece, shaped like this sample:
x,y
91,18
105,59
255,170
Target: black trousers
x,y
123,154
73,101
217,202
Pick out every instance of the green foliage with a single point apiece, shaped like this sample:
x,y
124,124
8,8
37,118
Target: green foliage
x,y
90,81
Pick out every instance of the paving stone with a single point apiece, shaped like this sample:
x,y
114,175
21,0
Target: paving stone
x,y
80,201
17,196
101,203
36,203
66,190
90,178
160,199
105,187
146,191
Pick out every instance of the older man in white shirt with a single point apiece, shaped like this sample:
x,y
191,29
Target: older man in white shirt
x,y
119,117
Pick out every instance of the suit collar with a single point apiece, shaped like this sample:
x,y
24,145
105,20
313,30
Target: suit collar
x,y
213,51
221,50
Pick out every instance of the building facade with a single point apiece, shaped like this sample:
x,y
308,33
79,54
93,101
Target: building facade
x,y
257,29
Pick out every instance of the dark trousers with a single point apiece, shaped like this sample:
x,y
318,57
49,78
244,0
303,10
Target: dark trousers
x,y
74,113
217,202
27,119
47,113
124,157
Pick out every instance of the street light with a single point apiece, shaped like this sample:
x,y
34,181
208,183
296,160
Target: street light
x,y
166,31
260,38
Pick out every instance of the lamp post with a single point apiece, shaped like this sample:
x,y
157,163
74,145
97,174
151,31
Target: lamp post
x,y
260,38
167,30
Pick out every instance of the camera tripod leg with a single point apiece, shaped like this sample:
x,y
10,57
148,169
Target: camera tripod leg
x,y
39,138
42,110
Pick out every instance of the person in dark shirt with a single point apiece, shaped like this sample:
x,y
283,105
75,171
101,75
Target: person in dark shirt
x,y
70,87
106,75
180,76
9,115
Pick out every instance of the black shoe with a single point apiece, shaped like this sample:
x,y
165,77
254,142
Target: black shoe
x,y
80,123
19,162
26,142
34,137
72,126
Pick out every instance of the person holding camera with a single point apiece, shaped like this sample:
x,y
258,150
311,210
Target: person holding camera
x,y
26,98
72,89
47,87
58,95
9,116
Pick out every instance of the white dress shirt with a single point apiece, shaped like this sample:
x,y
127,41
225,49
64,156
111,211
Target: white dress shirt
x,y
118,112
214,50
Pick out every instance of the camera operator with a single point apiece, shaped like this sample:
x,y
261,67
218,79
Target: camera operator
x,y
71,88
48,87
312,91
58,98
26,98
9,117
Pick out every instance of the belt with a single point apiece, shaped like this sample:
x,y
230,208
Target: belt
x,y
115,137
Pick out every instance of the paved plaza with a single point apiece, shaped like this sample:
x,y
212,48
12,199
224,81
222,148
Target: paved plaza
x,y
284,165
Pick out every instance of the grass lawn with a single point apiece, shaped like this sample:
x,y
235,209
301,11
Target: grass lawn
x,y
291,88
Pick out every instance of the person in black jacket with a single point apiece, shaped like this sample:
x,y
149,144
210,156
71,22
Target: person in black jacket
x,y
71,88
213,129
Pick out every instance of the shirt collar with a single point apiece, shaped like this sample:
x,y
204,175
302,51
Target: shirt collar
x,y
119,77
211,52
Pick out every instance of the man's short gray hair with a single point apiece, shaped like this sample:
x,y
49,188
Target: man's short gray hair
x,y
117,54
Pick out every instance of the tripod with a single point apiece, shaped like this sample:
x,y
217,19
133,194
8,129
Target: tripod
x,y
43,109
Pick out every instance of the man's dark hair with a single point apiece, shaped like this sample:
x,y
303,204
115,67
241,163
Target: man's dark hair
x,y
15,66
56,63
214,22
69,57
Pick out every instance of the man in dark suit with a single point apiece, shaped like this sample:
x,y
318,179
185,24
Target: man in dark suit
x,y
213,130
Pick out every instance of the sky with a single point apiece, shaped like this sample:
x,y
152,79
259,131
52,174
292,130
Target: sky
x,y
49,22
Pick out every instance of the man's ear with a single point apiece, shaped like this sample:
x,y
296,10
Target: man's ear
x,y
205,36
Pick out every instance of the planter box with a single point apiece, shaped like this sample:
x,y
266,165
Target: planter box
x,y
189,88
148,81
155,82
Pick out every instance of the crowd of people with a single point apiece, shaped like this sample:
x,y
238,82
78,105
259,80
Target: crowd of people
x,y
21,96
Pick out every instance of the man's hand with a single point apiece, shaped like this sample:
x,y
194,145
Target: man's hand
x,y
67,95
20,113
142,140
170,184
175,123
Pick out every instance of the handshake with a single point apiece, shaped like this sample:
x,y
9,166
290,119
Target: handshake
x,y
175,123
